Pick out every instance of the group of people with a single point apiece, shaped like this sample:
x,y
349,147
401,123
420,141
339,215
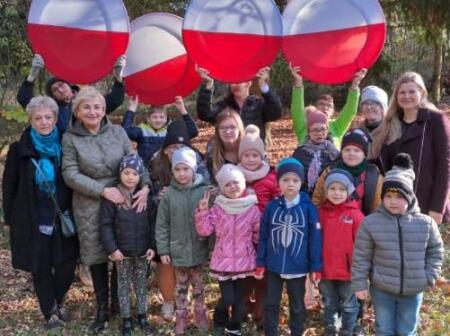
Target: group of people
x,y
354,211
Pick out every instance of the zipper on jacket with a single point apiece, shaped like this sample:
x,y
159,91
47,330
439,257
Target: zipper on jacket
x,y
402,264
285,237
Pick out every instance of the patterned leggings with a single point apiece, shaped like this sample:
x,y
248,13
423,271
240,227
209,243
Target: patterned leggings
x,y
132,270
183,277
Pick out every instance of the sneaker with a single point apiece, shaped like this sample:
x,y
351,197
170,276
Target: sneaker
x,y
232,332
167,309
63,314
54,322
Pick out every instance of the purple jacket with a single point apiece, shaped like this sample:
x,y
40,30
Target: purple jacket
x,y
236,237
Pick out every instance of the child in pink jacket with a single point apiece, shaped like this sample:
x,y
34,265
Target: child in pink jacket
x,y
234,219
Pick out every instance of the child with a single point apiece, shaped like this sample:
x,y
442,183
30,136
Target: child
x,y
399,251
128,238
150,135
366,176
316,152
290,246
177,241
234,218
340,218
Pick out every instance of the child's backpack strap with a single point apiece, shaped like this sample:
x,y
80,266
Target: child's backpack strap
x,y
370,187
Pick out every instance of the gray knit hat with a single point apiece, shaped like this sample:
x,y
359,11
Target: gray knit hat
x,y
185,155
400,177
340,176
376,94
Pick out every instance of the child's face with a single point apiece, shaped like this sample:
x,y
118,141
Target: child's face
x,y
129,178
318,133
251,160
232,189
170,149
337,193
325,106
290,185
395,203
352,155
157,119
183,174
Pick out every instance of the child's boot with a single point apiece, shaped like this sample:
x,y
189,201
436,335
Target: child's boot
x,y
201,319
181,321
127,326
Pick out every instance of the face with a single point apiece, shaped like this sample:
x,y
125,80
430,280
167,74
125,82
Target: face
x,y
62,92
157,119
251,160
325,106
352,155
240,89
183,174
232,189
290,185
395,203
318,133
372,112
409,96
170,149
129,178
91,112
228,131
43,121
337,193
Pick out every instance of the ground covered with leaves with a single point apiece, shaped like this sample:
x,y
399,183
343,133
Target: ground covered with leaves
x,y
19,312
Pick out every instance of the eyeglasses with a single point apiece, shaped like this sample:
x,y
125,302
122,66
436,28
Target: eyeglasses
x,y
318,130
370,103
325,105
227,128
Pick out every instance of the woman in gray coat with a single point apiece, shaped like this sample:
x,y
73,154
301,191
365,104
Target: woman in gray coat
x,y
93,148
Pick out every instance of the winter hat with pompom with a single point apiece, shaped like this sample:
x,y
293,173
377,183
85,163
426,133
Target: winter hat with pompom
x,y
252,140
400,178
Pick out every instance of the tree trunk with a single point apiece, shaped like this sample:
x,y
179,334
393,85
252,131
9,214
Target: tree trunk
x,y
437,70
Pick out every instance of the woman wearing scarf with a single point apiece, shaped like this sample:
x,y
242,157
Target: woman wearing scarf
x,y
37,243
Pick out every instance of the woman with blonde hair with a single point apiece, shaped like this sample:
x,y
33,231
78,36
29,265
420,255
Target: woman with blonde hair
x,y
413,125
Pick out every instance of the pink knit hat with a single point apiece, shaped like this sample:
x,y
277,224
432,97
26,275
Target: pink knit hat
x,y
227,173
252,140
314,116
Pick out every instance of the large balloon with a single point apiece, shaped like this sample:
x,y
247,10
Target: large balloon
x,y
80,40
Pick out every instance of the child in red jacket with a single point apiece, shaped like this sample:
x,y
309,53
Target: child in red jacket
x,y
340,218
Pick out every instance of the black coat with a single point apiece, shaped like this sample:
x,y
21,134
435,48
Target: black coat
x,y
131,232
20,196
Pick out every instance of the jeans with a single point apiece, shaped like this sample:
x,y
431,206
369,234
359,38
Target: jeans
x,y
296,294
231,295
395,314
339,297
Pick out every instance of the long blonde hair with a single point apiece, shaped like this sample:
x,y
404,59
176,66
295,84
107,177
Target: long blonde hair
x,y
391,128
218,151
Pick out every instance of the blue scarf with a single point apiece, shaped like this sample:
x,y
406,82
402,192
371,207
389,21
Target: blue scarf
x,y
49,150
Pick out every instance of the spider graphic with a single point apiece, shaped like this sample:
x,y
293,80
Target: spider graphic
x,y
287,230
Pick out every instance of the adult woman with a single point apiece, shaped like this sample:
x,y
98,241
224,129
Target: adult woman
x,y
414,126
37,243
177,137
93,149
224,145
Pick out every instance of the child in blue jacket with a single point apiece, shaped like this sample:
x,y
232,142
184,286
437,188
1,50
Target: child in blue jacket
x,y
290,247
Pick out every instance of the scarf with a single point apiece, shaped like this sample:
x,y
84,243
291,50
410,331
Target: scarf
x,y
315,166
255,175
236,206
49,150
355,171
127,195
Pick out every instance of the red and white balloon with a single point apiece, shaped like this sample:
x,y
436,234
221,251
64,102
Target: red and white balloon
x,y
80,40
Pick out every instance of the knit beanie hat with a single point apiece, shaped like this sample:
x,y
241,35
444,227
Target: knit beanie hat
x,y
53,80
342,177
227,173
132,161
177,133
251,140
376,94
357,137
185,155
314,116
290,165
400,177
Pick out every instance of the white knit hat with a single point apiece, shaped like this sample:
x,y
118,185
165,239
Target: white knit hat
x,y
376,94
184,155
227,173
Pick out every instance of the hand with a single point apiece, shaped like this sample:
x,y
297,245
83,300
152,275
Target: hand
x,y
140,199
204,202
316,277
263,76
298,79
116,256
204,75
37,64
359,76
362,295
113,195
162,192
133,103
165,259
179,104
118,68
259,273
438,217
150,254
